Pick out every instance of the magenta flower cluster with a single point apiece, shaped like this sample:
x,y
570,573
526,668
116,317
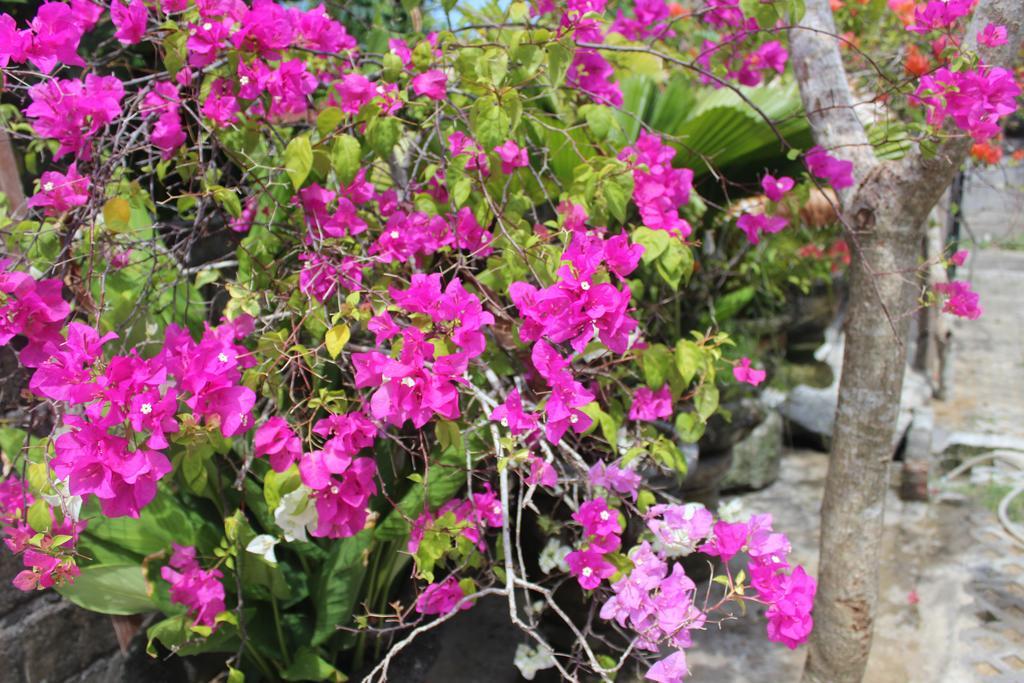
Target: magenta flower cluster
x,y
199,590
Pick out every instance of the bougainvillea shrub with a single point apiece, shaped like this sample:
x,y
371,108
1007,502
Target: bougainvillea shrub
x,y
329,341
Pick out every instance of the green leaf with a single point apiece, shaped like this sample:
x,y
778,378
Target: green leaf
x,y
599,119
654,242
606,422
176,634
193,470
667,453
617,193
345,155
560,56
518,11
110,589
336,338
645,500
493,67
688,359
337,584
382,135
449,436
491,123
229,200
164,520
298,160
328,120
675,263
461,189
39,517
308,666
729,305
277,485
706,400
656,362
689,427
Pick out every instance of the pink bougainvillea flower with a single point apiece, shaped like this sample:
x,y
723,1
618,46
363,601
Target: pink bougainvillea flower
x,y
959,257
44,571
974,99
541,473
56,31
746,374
13,43
650,405
400,49
822,164
727,539
430,84
960,300
61,192
511,415
149,411
754,224
199,590
659,189
355,90
442,597
73,111
620,480
597,519
275,438
775,188
621,256
512,156
589,567
671,669
993,35
591,73
678,529
129,20
221,106
205,41
791,601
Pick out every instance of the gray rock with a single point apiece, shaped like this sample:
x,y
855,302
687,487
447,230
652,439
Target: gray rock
x,y
814,410
755,460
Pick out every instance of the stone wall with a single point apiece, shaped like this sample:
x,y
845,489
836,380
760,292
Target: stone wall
x,y
46,639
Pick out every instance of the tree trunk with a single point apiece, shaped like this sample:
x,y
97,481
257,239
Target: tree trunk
x,y
854,503
884,214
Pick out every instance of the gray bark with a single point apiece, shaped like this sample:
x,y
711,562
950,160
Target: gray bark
x,y
10,181
884,213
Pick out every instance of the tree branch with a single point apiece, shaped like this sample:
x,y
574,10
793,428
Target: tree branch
x,y
825,91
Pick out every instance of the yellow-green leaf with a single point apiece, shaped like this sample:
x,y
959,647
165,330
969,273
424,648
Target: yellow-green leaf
x,y
336,339
117,213
298,160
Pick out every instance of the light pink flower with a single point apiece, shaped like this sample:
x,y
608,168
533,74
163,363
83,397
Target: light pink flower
x,y
671,669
